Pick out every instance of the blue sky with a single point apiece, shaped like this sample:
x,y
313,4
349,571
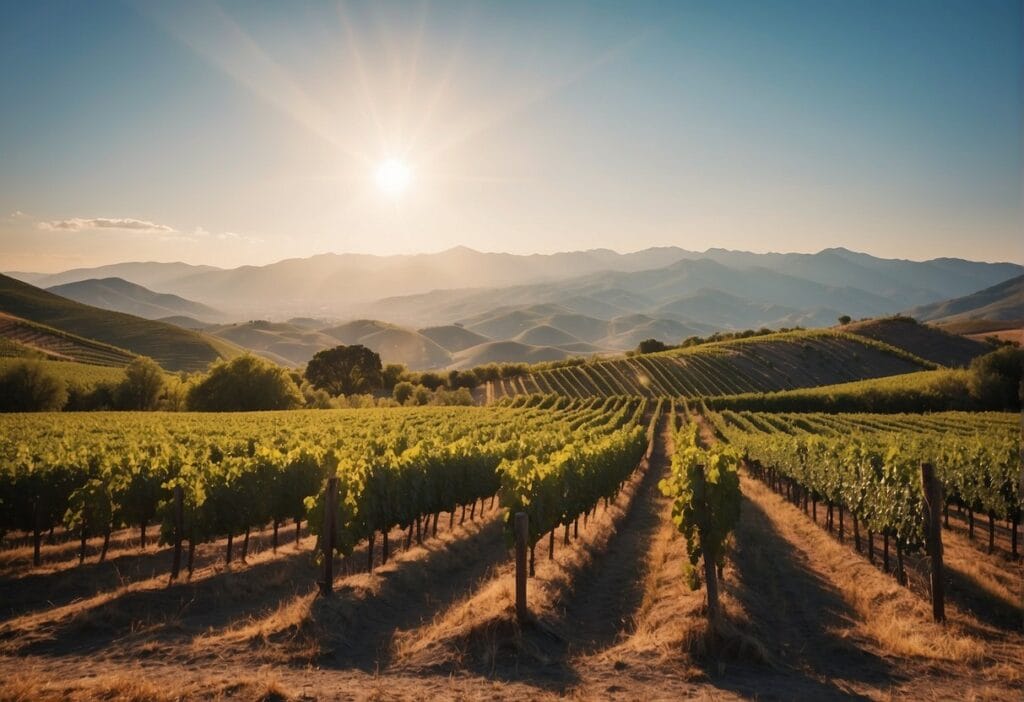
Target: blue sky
x,y
246,132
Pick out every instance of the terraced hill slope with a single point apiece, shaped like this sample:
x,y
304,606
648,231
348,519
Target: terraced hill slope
x,y
760,364
172,347
54,344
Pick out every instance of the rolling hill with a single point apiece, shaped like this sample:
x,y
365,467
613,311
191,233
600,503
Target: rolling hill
x,y
453,337
928,342
118,295
394,344
759,364
1003,302
507,352
172,347
282,343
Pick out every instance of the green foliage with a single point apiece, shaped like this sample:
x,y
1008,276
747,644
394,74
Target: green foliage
x,y
651,346
402,392
26,386
556,476
392,374
142,385
345,370
240,471
244,384
845,319
745,363
705,489
924,391
996,378
871,463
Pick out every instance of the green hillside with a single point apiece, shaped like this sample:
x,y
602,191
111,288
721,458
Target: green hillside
x,y
769,363
82,375
172,347
40,340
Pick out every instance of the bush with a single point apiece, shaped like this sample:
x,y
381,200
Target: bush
x,y
314,398
28,387
651,346
392,374
421,395
403,391
142,385
244,384
996,377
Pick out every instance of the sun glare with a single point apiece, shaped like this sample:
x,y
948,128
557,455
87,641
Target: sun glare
x,y
393,176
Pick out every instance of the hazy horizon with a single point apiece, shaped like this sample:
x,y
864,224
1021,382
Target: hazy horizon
x,y
246,133
462,246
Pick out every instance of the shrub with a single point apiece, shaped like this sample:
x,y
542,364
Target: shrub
x,y
403,391
995,378
28,387
142,385
245,383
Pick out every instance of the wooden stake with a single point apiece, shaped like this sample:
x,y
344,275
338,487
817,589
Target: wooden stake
x,y
931,488
327,537
179,522
710,576
522,534
991,531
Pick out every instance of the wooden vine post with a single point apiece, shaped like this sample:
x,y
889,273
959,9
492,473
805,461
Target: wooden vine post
x,y
328,534
710,576
179,527
522,535
932,490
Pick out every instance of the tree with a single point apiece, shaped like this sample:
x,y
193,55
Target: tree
x,y
392,375
403,391
29,387
345,370
142,385
243,384
995,378
431,380
845,319
651,346
421,395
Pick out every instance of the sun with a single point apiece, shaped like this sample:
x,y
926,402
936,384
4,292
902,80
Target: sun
x,y
393,176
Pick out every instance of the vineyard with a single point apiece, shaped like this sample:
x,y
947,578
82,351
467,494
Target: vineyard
x,y
654,528
869,466
758,364
202,478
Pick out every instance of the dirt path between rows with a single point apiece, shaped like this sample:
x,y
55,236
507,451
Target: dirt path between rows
x,y
603,606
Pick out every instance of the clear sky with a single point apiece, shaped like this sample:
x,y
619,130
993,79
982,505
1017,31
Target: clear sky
x,y
246,132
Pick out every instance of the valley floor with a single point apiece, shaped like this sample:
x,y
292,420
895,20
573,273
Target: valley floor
x,y
806,617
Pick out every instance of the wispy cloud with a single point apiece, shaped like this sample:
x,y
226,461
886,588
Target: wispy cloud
x,y
78,224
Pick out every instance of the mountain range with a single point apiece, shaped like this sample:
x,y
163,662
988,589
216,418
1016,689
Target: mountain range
x,y
460,307
440,288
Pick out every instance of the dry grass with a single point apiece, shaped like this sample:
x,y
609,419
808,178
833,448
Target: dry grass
x,y
898,621
482,626
128,687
